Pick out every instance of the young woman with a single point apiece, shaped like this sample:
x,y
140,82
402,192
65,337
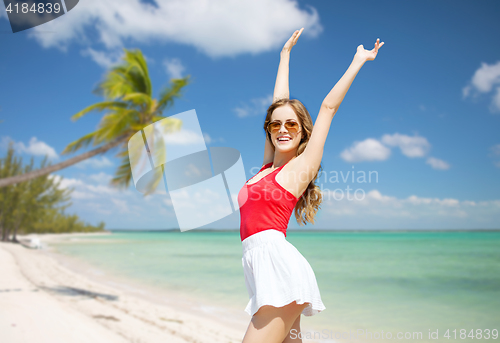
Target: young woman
x,y
280,282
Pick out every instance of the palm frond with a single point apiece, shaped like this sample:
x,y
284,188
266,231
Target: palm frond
x,y
115,84
138,99
112,126
105,105
137,64
131,76
82,142
169,94
136,79
123,174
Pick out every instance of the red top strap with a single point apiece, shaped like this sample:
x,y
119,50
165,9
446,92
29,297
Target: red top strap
x,y
265,205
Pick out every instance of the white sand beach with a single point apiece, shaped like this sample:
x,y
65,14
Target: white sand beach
x,y
47,297
43,301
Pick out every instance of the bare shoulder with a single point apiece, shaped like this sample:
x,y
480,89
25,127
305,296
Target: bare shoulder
x,y
299,170
295,176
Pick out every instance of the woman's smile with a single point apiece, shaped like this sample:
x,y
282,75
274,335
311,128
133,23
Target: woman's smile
x,y
284,139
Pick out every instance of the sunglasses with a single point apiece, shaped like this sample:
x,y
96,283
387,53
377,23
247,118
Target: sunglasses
x,y
291,125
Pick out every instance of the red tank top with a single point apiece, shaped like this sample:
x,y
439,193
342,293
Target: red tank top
x,y
268,205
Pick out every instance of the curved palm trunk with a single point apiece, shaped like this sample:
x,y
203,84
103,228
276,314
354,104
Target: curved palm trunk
x,y
47,170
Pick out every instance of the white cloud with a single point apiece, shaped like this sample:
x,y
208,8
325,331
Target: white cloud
x,y
486,77
174,67
484,80
374,150
466,91
104,58
256,106
88,189
368,150
95,163
410,146
495,149
183,137
495,103
102,189
437,163
78,187
5,142
216,28
373,205
101,178
94,199
121,205
209,139
66,183
495,153
34,147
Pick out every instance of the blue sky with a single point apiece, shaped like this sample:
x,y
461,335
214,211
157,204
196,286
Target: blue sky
x,y
424,116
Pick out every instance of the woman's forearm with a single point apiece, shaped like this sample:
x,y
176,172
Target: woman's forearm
x,y
338,92
281,88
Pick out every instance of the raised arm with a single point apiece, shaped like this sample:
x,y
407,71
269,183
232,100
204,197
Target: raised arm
x,y
281,89
313,153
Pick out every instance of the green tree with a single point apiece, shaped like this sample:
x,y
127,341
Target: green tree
x,y
9,196
130,107
36,205
39,196
55,221
25,204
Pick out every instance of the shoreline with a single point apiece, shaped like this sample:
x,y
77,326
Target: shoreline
x,y
49,285
40,289
194,305
317,230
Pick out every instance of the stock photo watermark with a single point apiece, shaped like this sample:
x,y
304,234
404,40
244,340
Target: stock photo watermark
x,y
455,334
328,183
170,157
26,14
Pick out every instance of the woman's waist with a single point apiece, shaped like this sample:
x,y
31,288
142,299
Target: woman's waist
x,y
262,237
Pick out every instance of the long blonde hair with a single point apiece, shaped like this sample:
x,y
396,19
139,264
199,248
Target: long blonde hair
x,y
308,204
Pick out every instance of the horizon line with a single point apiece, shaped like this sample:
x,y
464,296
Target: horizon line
x,y
293,229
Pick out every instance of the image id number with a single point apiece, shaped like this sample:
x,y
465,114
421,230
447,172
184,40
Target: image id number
x,y
477,334
34,8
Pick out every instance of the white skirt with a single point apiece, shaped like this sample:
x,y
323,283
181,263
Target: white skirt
x,y
277,274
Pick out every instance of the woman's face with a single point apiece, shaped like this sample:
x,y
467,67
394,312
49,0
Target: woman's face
x,y
290,140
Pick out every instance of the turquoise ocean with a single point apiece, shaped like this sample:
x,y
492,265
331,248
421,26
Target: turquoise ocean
x,y
384,282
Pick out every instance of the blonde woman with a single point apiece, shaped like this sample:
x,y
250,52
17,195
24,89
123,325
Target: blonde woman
x,y
280,282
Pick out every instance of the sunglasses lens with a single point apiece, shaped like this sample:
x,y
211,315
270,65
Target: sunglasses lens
x,y
292,126
274,126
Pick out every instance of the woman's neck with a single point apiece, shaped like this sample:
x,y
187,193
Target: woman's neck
x,y
281,158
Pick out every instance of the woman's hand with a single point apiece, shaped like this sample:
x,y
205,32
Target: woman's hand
x,y
291,42
368,55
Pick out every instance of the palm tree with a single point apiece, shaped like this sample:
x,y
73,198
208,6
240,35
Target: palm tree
x,y
130,105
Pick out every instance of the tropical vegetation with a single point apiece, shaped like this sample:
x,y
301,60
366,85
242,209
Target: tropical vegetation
x,y
31,199
36,205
